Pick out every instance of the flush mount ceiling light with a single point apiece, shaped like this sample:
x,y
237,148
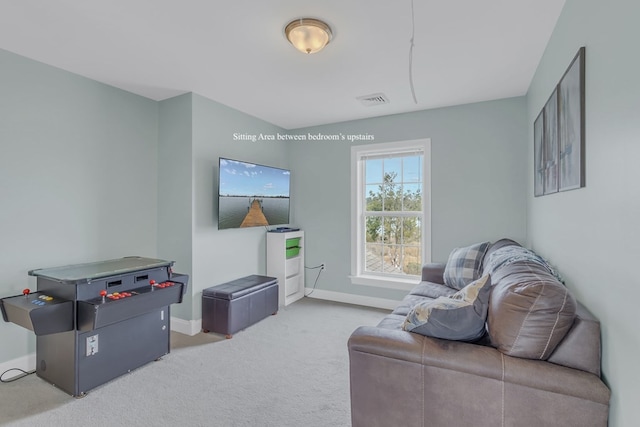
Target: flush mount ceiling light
x,y
308,35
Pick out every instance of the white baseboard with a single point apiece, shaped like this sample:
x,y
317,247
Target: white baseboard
x,y
186,327
26,363
352,299
193,327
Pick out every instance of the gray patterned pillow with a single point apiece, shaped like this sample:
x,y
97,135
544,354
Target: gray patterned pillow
x,y
464,265
459,317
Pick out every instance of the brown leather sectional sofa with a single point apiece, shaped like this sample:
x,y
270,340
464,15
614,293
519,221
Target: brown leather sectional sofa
x,y
538,364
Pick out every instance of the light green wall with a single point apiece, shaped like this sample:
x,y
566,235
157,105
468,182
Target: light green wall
x,y
477,172
592,234
194,133
90,172
223,255
175,189
78,175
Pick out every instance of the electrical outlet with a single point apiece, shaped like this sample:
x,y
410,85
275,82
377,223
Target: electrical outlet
x,y
323,266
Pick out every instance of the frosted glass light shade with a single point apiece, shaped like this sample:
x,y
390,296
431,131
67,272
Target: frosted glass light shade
x,y
308,35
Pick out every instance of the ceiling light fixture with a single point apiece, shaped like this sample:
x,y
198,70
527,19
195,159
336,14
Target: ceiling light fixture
x,y
308,35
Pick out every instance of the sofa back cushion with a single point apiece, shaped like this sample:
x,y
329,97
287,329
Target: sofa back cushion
x,y
530,311
494,247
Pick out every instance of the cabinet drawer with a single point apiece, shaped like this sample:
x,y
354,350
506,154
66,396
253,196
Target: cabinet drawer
x,y
292,267
292,285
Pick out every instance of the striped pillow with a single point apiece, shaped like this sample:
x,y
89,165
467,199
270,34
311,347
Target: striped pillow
x,y
464,265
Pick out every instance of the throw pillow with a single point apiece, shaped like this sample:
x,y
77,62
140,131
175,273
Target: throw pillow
x,y
464,265
459,317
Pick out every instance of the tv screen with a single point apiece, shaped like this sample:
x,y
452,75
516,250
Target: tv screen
x,y
251,195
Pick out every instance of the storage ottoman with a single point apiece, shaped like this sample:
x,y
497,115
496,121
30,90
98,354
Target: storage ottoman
x,y
232,306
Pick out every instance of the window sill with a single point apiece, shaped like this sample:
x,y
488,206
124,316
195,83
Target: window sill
x,y
385,282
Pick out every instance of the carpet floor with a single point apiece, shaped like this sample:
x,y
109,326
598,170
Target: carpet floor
x,y
290,369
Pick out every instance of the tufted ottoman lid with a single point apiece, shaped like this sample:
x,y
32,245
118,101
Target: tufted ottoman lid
x,y
239,287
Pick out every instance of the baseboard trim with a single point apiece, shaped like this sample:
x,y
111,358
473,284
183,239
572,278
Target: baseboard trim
x,y
193,327
352,299
26,363
186,327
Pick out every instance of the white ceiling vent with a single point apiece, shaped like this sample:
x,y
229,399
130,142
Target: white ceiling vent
x,y
373,99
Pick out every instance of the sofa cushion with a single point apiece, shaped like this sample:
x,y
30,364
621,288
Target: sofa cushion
x,y
460,316
494,247
392,321
425,291
408,302
432,290
464,265
530,311
496,259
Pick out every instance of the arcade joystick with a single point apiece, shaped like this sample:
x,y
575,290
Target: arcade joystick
x,y
103,294
152,283
26,292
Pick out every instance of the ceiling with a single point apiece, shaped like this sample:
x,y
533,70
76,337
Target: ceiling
x,y
235,52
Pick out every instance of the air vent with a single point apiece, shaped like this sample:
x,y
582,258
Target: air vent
x,y
374,99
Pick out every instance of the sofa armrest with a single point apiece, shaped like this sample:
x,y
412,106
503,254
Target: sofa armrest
x,y
433,272
580,348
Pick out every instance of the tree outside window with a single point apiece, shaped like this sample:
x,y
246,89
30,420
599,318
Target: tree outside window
x,y
393,215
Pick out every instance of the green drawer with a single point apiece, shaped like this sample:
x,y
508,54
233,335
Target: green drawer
x,y
291,252
292,243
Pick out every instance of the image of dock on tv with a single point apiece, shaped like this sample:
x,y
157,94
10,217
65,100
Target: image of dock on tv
x,y
252,195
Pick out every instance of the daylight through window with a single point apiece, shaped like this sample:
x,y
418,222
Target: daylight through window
x,y
390,217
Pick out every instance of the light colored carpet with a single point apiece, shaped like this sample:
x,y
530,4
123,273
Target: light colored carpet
x,y
290,369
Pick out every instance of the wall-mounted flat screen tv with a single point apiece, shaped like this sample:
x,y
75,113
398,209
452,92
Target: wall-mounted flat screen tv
x,y
251,195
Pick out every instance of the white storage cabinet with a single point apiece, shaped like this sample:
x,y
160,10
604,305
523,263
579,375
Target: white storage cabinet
x,y
285,261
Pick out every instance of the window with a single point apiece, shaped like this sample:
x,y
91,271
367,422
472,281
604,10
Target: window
x,y
390,221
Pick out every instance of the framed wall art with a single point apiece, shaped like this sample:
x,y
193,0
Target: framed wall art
x,y
571,125
558,134
538,157
545,138
550,144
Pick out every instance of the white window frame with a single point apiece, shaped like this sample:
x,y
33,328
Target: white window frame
x,y
358,152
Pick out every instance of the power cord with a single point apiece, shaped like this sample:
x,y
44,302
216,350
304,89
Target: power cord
x,y
411,44
16,378
321,267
